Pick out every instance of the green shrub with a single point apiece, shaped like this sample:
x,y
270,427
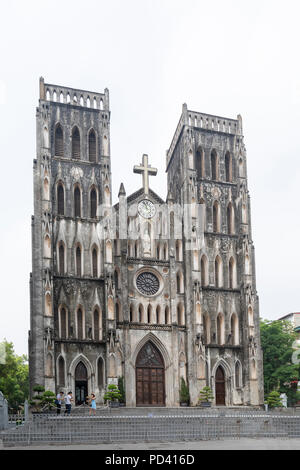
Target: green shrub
x,y
273,399
112,394
184,392
206,395
121,389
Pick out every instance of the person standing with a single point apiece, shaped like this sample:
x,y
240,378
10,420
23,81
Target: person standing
x,y
68,402
59,401
92,404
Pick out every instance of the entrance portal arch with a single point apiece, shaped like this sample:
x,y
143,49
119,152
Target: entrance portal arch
x,y
81,383
150,376
220,386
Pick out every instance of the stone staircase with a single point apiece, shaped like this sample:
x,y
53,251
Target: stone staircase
x,y
152,424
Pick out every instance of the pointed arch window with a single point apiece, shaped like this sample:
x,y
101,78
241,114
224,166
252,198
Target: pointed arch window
x,y
232,273
228,167
95,262
80,330
60,200
230,219
200,167
59,141
234,329
214,165
141,314
117,310
92,146
100,371
180,315
216,217
131,313
93,203
204,271
75,143
149,314
63,323
61,258
157,319
78,261
179,282
96,325
238,375
218,272
77,204
220,329
61,371
206,329
167,315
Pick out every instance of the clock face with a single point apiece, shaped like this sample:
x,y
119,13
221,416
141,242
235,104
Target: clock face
x,y
146,209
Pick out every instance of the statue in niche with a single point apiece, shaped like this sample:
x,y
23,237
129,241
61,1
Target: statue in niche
x,y
147,243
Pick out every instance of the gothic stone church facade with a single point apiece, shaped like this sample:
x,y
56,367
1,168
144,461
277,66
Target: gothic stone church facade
x,y
149,289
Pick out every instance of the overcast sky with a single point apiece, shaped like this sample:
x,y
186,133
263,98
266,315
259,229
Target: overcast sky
x,y
222,57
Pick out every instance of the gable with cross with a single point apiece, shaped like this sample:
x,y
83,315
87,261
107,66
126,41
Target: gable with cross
x,y
146,171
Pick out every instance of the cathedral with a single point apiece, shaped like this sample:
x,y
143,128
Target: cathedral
x,y
151,289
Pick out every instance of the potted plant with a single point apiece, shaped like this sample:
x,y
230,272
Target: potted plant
x,y
206,396
43,401
113,396
184,393
121,387
273,400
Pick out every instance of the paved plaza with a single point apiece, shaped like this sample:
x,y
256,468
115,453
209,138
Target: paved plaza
x,y
226,444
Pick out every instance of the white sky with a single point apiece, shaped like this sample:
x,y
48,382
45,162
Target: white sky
x,y
222,57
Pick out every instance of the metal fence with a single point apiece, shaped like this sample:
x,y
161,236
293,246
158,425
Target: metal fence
x,y
176,427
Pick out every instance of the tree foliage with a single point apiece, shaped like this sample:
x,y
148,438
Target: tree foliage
x,y
206,394
184,392
277,338
274,400
14,377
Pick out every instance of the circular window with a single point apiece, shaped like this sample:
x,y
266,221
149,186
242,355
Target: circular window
x,y
147,283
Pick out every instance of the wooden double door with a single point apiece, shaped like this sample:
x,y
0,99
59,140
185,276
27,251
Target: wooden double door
x,y
220,387
81,384
150,377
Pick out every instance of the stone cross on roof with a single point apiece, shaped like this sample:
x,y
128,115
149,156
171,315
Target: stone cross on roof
x,y
146,171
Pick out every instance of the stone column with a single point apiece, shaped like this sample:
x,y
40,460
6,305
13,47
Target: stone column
x,y
3,412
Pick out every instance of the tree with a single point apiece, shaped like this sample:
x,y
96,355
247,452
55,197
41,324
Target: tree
x,y
43,400
112,394
121,389
206,395
184,392
274,400
277,338
14,377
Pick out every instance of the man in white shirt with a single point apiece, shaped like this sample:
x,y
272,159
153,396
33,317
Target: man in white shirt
x,y
68,402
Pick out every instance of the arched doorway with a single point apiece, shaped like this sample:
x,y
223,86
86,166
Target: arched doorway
x,y
150,377
81,384
220,386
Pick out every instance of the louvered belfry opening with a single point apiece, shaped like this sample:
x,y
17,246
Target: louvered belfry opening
x,y
92,146
59,142
75,143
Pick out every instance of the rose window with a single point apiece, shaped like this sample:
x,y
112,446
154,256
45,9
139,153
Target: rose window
x,y
147,283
